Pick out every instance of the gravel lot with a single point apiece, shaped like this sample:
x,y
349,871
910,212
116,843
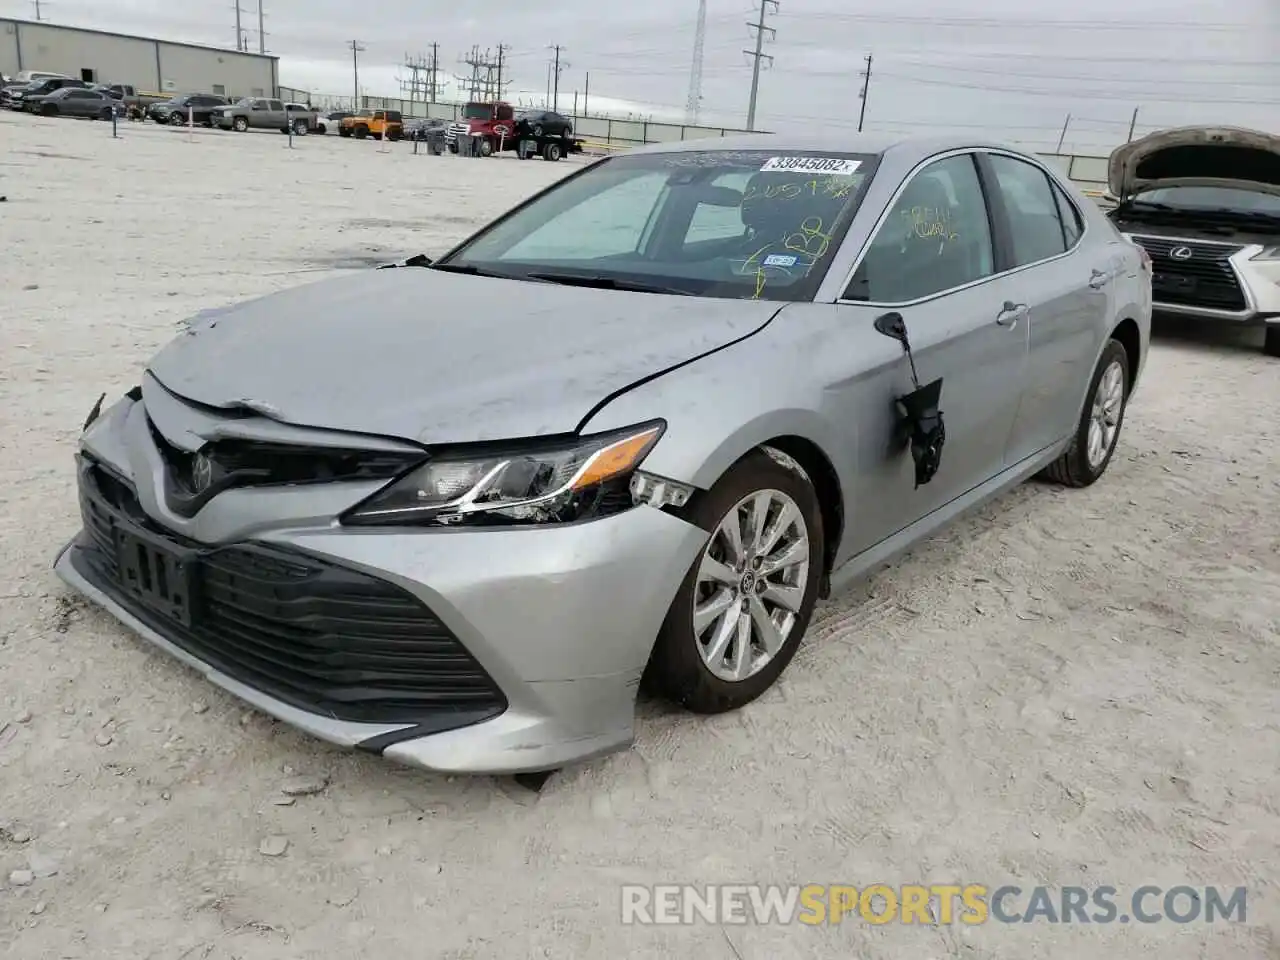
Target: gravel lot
x,y
1066,688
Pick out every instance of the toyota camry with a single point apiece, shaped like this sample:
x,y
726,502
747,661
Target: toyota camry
x,y
627,434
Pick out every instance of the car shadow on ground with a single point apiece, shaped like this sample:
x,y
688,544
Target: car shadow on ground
x,y
1181,332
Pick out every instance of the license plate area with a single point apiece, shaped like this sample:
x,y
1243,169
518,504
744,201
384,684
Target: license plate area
x,y
1172,283
158,574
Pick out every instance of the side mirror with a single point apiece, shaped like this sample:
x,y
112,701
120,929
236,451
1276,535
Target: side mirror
x,y
893,326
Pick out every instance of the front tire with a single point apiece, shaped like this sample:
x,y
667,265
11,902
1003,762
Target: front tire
x,y
1098,429
240,125
745,603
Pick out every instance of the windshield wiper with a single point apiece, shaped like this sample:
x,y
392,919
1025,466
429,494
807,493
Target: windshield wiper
x,y
606,283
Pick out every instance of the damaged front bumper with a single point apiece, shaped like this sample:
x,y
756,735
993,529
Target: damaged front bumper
x,y
486,651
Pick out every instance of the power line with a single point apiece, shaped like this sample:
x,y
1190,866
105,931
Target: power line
x,y
1080,76
694,106
758,56
1023,23
1130,96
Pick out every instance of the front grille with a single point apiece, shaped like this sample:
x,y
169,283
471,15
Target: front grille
x,y
322,637
243,463
1205,279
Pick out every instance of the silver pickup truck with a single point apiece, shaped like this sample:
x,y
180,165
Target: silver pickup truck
x,y
260,113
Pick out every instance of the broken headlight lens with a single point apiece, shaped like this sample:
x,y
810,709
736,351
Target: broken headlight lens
x,y
533,483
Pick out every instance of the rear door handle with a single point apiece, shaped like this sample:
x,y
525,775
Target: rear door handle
x,y
1011,313
1099,279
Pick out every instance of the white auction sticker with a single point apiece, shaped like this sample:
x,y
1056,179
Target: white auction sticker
x,y
834,166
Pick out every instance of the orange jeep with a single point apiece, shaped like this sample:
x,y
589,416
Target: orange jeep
x,y
373,123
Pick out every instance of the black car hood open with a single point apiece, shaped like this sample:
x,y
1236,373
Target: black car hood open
x,y
1197,157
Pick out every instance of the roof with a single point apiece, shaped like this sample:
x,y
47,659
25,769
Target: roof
x,y
46,25
871,143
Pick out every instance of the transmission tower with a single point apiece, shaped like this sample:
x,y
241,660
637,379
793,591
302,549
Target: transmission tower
x,y
758,55
485,84
694,105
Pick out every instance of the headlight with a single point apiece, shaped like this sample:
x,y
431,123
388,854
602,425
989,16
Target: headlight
x,y
555,482
1269,253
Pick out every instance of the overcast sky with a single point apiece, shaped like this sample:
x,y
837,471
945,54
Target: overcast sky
x,y
939,64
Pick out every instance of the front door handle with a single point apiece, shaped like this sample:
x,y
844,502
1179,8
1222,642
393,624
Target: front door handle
x,y
1099,279
1011,313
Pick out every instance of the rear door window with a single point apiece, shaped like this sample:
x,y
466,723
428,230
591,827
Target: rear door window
x,y
1072,221
1034,221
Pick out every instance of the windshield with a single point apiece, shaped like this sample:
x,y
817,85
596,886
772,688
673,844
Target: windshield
x,y
1213,198
712,223
477,111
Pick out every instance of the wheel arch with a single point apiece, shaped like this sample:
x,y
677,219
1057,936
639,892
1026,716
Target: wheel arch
x,y
1129,336
795,436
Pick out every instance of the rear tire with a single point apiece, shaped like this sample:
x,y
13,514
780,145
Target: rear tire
x,y
300,128
679,667
1271,340
1103,411
49,110
105,114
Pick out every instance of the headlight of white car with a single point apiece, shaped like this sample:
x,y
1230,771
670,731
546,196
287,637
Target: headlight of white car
x,y
1268,253
558,481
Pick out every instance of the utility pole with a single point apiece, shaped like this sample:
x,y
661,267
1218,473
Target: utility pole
x,y
39,15
759,55
555,89
435,71
694,103
356,49
262,33
866,87
1133,124
1063,136
239,29
586,96
502,49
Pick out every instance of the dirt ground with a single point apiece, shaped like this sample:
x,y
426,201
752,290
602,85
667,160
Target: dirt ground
x,y
1065,688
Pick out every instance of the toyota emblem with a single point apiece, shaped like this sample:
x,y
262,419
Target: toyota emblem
x,y
1180,253
201,472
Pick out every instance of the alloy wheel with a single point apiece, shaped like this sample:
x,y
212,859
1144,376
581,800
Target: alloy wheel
x,y
1104,417
750,585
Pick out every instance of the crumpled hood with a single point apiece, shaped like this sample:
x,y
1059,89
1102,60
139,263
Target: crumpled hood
x,y
1197,156
434,357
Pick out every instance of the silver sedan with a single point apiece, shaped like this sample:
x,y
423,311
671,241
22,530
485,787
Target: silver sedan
x,y
628,433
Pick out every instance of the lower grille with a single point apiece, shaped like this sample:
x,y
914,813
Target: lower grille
x,y
1205,278
316,635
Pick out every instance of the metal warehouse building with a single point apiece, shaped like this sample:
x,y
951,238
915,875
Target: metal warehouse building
x,y
159,66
